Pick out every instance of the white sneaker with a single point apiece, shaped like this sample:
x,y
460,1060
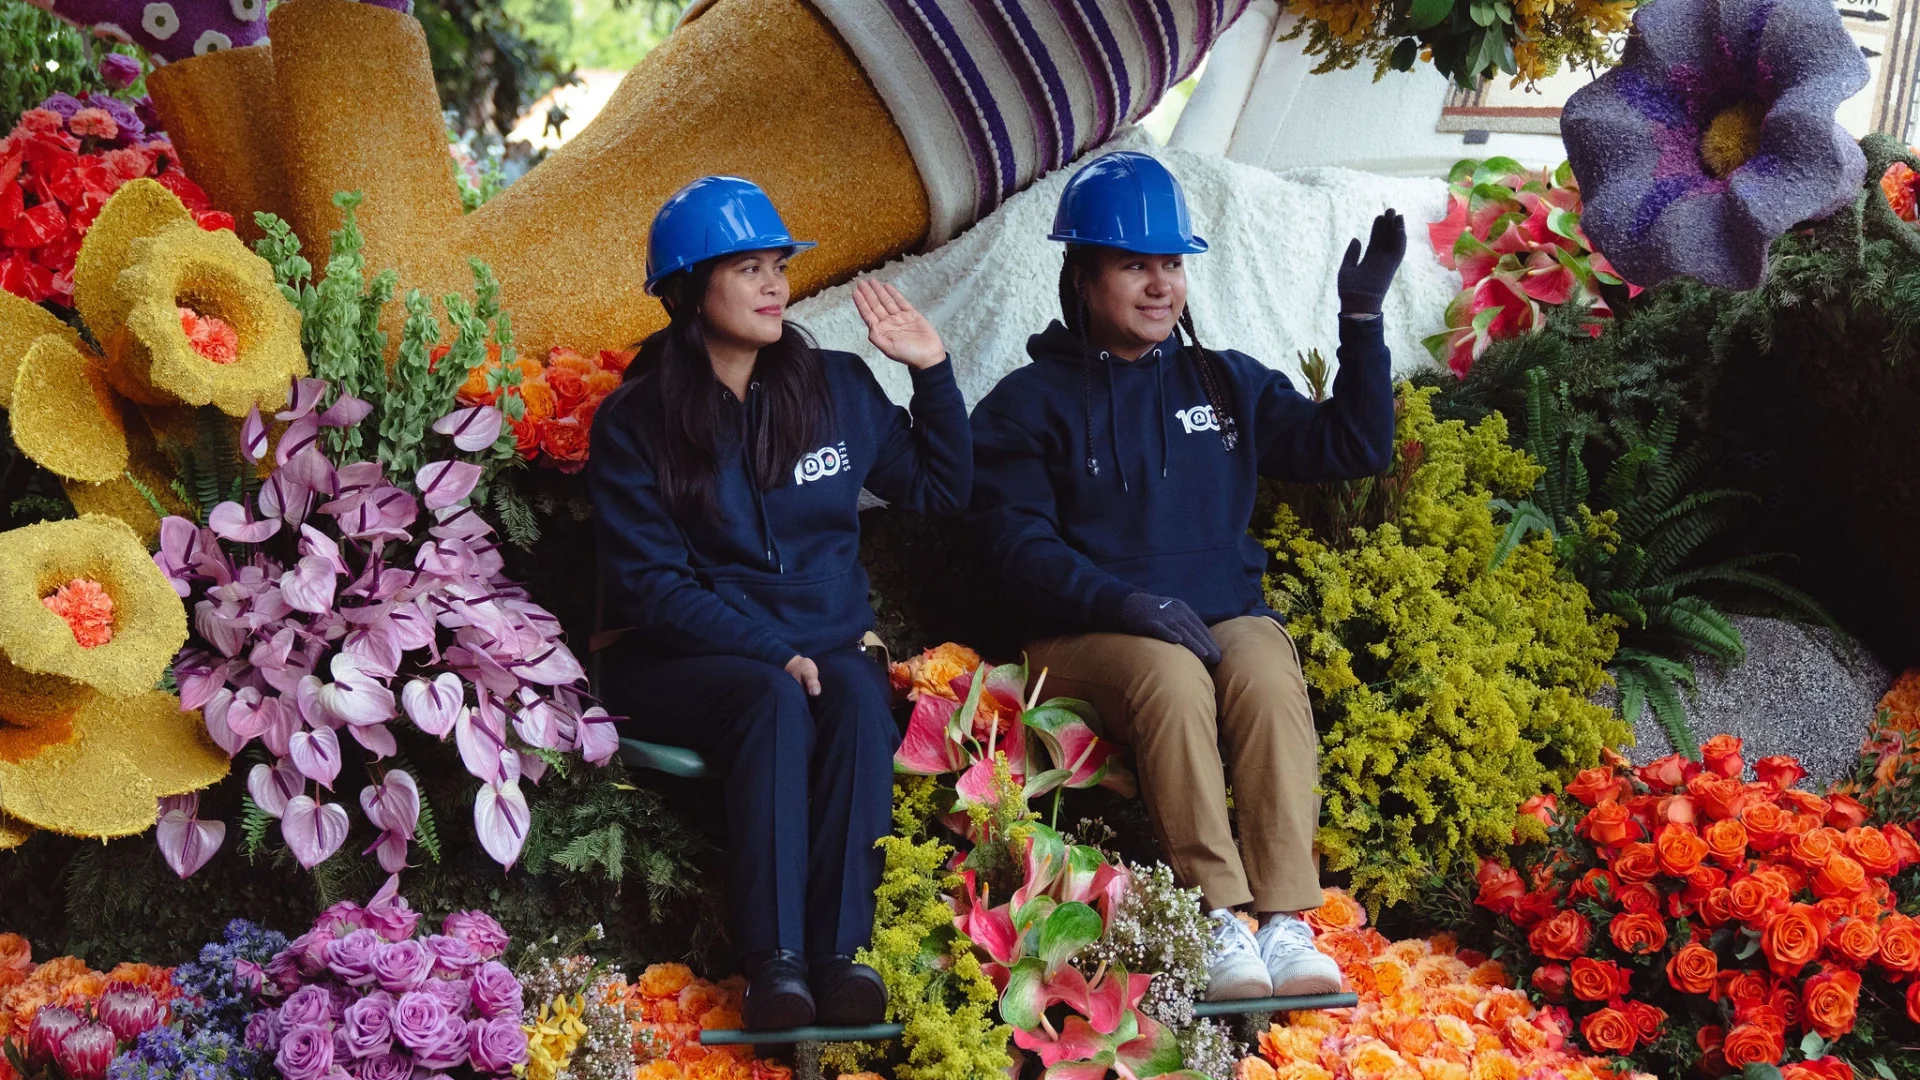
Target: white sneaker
x,y
1295,967
1235,971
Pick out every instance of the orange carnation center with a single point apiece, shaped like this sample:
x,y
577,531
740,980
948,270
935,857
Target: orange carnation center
x,y
211,337
87,610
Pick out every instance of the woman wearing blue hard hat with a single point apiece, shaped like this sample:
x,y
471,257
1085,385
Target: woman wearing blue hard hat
x,y
726,475
1114,483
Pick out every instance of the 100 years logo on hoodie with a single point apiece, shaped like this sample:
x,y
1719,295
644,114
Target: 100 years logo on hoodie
x,y
1198,418
822,463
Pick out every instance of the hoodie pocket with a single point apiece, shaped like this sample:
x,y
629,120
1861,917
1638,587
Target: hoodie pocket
x,y
807,612
1213,580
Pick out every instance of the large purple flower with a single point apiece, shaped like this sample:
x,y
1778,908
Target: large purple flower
x,y
1715,135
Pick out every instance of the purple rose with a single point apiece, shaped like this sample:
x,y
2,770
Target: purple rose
x,y
309,1006
306,1053
263,1030
283,972
451,955
351,957
63,103
309,950
455,994
384,1067
123,116
248,976
496,1045
119,70
495,991
477,929
341,919
446,1048
402,965
366,1025
417,1017
389,914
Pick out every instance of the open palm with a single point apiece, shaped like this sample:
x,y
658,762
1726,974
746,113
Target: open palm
x,y
895,328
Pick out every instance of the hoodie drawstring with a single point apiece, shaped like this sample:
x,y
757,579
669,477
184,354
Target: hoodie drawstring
x,y
756,402
1160,403
1113,423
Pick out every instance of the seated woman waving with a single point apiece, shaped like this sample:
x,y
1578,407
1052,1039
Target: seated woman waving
x,y
1116,477
726,476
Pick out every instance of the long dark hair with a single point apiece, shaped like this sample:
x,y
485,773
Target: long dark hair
x,y
688,419
1073,313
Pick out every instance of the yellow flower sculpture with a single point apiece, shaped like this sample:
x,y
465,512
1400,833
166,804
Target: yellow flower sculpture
x,y
184,317
88,624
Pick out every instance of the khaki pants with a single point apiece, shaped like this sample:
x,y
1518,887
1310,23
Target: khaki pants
x,y
1176,715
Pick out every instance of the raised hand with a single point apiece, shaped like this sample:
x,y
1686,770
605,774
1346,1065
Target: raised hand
x,y
1363,281
895,328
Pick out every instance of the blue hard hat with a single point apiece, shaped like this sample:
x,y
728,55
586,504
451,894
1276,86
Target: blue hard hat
x,y
711,217
1126,200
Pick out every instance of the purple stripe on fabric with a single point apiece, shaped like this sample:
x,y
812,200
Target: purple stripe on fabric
x,y
1105,92
1014,56
980,97
1156,49
1116,61
1056,88
1170,28
906,14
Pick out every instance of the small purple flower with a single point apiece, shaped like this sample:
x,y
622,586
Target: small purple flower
x,y
417,1018
368,1026
351,957
496,1045
119,70
451,955
306,1053
384,1067
479,930
495,991
309,1006
402,965
1714,135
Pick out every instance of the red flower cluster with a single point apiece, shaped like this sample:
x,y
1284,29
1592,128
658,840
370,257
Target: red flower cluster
x,y
560,398
57,168
1681,880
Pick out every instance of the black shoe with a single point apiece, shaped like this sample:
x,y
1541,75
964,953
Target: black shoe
x,y
777,995
849,994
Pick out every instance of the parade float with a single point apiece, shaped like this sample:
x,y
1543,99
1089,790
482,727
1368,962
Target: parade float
x,y
301,769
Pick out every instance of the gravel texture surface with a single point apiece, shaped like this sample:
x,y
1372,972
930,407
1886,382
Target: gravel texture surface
x,y
1800,692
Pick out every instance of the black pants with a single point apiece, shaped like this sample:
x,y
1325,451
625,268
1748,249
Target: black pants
x,y
809,782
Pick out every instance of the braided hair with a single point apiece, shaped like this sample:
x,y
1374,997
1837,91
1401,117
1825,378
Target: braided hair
x,y
1074,314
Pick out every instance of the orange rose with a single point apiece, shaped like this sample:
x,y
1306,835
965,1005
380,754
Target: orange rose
x,y
1856,941
1337,911
1702,882
1636,862
1562,937
1676,809
1594,884
1780,771
1721,754
1745,989
1752,900
564,440
1609,824
1719,797
1786,881
1669,773
1599,980
1639,899
1597,785
1812,849
1717,908
1900,944
1870,848
1845,812
1781,1002
1913,1001
1544,808
1645,810
1647,1020
16,955
1804,802
1794,938
1609,1031
1500,886
1902,843
1552,980
1726,842
1766,826
1827,1068
1836,907
1831,999
1751,1042
1638,933
1693,969
1841,876
537,399
1680,849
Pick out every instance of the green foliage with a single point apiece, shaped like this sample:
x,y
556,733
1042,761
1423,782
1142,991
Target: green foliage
x,y
486,65
592,822
604,34
936,987
1448,690
40,56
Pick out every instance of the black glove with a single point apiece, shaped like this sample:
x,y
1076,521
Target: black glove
x,y
1169,620
1363,281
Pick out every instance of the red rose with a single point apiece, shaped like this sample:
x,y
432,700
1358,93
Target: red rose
x,y
1552,980
1718,796
1599,980
1500,886
1754,1042
1845,812
1702,882
1534,908
1562,937
1913,1001
1545,808
1638,933
1596,884
1902,843
1827,1068
1831,999
1721,754
1669,773
1717,909
1639,899
1780,771
1647,1020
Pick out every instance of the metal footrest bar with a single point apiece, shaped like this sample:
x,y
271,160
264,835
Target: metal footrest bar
x,y
1275,1004
737,1037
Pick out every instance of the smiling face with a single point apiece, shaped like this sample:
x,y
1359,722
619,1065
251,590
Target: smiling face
x,y
1133,300
746,299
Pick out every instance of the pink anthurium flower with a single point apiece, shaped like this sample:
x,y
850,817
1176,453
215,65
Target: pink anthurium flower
x,y
272,786
443,483
927,748
309,585
230,521
598,738
500,815
185,841
253,436
301,399
434,706
356,696
316,754
346,411
471,429
313,831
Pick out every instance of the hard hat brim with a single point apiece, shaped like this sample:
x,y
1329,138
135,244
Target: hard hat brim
x,y
755,243
1177,247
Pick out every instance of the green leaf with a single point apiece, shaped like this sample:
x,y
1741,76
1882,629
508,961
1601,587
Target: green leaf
x,y
1072,926
1883,1070
1482,12
1751,946
1426,13
1813,1046
1404,54
1563,174
1760,1071
1022,1002
1498,168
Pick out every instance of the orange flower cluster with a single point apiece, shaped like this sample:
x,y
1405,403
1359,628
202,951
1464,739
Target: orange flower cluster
x,y
668,1007
560,398
1893,739
1898,184
1684,880
933,671
26,987
86,609
1429,1010
211,337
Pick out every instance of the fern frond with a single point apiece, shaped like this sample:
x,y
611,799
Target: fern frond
x,y
254,823
1699,626
147,494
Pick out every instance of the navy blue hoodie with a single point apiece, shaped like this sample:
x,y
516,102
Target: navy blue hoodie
x,y
777,573
1167,513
